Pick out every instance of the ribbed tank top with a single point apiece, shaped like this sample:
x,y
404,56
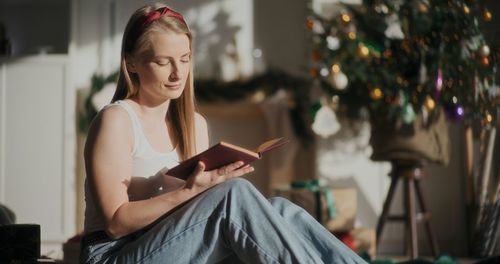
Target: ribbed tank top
x,y
146,162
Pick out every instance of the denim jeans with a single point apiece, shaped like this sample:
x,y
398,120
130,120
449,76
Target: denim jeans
x,y
229,223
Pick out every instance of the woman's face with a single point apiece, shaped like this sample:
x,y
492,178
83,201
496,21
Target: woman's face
x,y
165,69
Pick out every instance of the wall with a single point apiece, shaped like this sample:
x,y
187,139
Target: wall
x,y
216,25
281,34
35,25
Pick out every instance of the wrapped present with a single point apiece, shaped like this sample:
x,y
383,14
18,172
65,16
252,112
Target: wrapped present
x,y
71,249
19,243
360,240
335,208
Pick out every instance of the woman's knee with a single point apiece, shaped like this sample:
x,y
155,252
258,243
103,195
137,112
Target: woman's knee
x,y
279,202
237,185
239,189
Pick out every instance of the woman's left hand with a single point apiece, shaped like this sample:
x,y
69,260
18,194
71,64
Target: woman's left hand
x,y
202,180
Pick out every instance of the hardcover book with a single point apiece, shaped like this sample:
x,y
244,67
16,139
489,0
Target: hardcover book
x,y
222,154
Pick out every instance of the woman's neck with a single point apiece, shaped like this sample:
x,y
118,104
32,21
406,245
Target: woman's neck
x,y
155,109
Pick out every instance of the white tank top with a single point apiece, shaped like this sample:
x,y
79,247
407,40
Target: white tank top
x,y
146,162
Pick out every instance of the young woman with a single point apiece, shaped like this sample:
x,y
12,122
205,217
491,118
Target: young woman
x,y
136,213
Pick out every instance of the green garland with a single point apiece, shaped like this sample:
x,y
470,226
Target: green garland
x,y
268,83
212,90
89,112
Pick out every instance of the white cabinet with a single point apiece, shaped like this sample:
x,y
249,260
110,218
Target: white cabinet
x,y
37,128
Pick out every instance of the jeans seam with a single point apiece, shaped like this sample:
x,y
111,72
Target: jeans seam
x,y
157,249
253,241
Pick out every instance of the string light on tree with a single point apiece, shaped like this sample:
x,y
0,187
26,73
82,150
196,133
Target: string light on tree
x,y
487,15
376,94
429,103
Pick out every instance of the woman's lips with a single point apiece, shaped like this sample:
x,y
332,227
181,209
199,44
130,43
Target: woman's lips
x,y
173,86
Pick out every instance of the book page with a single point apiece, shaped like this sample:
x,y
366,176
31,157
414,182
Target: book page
x,y
270,144
241,149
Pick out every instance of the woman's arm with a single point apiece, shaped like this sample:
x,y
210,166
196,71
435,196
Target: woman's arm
x,y
144,188
109,169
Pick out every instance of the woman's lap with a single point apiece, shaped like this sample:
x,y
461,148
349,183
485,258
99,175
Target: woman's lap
x,y
197,232
174,235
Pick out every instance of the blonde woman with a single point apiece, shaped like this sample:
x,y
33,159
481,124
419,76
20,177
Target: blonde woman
x,y
136,213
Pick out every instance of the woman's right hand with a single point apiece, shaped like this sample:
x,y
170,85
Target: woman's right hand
x,y
201,180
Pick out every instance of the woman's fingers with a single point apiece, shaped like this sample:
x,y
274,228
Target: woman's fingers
x,y
200,167
229,168
232,170
241,171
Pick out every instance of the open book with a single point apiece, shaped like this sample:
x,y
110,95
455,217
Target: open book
x,y
222,154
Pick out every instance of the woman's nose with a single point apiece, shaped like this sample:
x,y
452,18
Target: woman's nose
x,y
175,74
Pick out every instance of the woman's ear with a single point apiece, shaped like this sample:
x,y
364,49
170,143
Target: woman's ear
x,y
130,62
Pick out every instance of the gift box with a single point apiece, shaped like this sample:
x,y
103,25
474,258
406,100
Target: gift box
x,y
335,208
19,243
71,249
360,240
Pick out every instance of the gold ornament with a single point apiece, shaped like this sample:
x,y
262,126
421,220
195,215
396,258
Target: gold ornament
x,y
487,15
313,72
351,35
335,68
346,18
466,9
310,23
422,8
363,51
315,56
485,61
376,93
387,53
429,103
488,117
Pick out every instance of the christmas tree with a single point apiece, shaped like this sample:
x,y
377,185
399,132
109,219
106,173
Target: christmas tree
x,y
401,58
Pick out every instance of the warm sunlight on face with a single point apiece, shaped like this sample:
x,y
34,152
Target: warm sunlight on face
x,y
164,72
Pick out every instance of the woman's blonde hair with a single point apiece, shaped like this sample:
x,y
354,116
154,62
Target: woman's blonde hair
x,y
135,44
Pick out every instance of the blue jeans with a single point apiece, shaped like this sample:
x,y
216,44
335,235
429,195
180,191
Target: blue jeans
x,y
229,223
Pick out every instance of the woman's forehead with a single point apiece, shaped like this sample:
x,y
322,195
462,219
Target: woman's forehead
x,y
169,44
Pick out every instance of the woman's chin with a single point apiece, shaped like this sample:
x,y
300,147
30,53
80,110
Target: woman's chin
x,y
173,94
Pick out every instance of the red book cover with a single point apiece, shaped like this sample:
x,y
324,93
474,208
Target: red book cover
x,y
222,154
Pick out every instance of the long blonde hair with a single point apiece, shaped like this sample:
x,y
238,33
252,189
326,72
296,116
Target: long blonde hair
x,y
135,43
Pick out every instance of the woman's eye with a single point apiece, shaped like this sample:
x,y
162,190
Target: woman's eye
x,y
162,63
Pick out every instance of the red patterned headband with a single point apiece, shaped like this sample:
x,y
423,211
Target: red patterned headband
x,y
146,20
158,13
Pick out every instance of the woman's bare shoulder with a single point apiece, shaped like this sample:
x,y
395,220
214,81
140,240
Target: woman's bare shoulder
x,y
112,117
111,123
